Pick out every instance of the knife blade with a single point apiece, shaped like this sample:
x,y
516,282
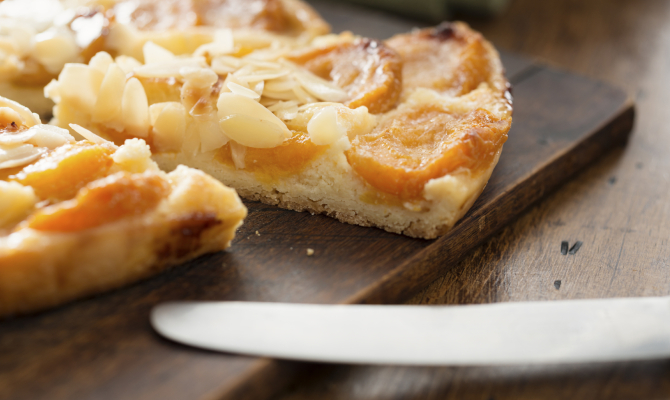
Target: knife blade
x,y
571,331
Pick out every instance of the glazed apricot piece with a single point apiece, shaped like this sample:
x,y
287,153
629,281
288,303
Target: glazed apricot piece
x,y
369,71
289,158
60,174
107,200
416,145
449,58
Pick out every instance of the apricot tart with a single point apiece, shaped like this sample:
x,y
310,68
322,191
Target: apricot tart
x,y
79,218
38,37
401,134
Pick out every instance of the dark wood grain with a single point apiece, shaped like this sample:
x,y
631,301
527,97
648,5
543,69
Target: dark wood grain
x,y
103,348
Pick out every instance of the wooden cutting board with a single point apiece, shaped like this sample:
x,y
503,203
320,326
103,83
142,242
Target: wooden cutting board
x,y
104,347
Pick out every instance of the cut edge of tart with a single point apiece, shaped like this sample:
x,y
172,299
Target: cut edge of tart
x,y
401,135
80,218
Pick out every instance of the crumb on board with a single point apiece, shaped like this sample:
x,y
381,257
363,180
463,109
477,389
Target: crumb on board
x,y
310,252
257,234
575,248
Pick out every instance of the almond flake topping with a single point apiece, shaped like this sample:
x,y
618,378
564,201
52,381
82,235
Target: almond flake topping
x,y
23,139
257,95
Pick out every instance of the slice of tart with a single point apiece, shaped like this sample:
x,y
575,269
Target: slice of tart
x,y
38,37
79,218
402,134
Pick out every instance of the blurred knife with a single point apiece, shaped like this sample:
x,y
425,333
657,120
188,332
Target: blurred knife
x,y
503,333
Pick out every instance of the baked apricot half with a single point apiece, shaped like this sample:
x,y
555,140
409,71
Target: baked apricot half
x,y
59,175
369,71
104,201
461,124
416,145
449,58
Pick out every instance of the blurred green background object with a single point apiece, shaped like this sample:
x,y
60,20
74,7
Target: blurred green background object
x,y
437,10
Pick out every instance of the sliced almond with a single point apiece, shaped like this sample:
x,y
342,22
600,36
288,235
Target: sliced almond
x,y
170,68
169,126
284,95
101,61
9,115
247,69
199,77
234,79
265,75
19,155
280,85
287,114
135,109
223,43
283,105
320,88
28,117
48,136
258,88
261,64
252,132
155,54
230,104
221,68
255,39
324,127
242,91
54,48
303,96
52,91
273,53
267,102
224,40
108,104
211,136
285,110
79,86
87,134
127,63
230,62
16,37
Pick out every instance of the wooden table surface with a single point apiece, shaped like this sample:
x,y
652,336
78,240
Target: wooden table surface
x,y
619,208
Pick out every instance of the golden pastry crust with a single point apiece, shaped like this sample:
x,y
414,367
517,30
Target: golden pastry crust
x,y
402,135
82,218
39,270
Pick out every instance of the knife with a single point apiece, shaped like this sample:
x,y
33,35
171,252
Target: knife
x,y
571,331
